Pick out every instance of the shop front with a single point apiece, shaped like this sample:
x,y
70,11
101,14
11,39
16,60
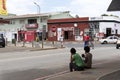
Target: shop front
x,y
71,29
29,34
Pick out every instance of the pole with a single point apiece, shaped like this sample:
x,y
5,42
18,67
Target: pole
x,y
39,20
38,7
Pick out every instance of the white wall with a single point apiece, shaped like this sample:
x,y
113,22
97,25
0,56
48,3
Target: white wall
x,y
118,27
8,36
112,25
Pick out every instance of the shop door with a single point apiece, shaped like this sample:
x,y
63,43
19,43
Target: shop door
x,y
68,35
108,32
30,36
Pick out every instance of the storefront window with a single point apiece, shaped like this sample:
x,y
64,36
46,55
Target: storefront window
x,y
32,21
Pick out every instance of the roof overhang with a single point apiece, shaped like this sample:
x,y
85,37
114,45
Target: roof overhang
x,y
114,6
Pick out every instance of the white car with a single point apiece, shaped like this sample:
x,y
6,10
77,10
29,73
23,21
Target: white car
x,y
109,39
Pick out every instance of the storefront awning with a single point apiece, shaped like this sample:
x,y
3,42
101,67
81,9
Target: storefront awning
x,y
114,6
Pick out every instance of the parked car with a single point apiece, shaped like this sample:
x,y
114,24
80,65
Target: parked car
x,y
2,41
118,44
109,39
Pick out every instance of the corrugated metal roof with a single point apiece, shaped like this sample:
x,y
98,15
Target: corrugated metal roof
x,y
114,6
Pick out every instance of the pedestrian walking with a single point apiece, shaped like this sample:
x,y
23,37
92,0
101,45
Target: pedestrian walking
x,y
61,40
86,40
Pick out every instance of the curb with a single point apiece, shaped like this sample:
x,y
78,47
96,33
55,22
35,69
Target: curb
x,y
39,49
107,74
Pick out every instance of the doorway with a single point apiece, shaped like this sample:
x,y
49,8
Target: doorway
x,y
66,35
108,32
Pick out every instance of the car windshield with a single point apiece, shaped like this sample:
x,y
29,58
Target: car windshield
x,y
112,37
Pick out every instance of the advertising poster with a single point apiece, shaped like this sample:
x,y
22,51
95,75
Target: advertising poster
x,y
59,33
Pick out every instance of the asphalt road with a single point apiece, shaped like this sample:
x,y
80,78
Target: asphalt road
x,y
22,64
111,76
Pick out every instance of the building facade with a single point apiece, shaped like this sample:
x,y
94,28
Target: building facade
x,y
28,27
74,29
105,26
71,29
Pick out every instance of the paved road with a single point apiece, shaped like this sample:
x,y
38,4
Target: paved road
x,y
29,65
13,48
111,76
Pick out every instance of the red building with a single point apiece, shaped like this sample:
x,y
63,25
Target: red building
x,y
70,28
28,35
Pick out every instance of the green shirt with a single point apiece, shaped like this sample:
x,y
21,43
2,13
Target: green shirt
x,y
78,60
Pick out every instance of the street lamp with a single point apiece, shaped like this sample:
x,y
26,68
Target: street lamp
x,y
38,7
39,20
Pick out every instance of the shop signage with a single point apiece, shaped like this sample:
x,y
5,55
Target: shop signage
x,y
68,28
31,26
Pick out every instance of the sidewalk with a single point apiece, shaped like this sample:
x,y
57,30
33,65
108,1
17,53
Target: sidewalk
x,y
95,73
32,44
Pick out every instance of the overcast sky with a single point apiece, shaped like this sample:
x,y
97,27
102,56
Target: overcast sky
x,y
83,8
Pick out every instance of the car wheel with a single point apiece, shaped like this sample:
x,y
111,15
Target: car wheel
x,y
3,45
105,42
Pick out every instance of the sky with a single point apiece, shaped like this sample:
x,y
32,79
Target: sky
x,y
82,8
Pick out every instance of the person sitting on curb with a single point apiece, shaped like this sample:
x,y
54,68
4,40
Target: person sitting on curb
x,y
76,62
87,57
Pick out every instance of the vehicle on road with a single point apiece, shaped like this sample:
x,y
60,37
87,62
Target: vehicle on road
x,y
118,44
2,41
109,39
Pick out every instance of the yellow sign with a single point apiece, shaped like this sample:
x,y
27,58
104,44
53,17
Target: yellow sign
x,y
3,10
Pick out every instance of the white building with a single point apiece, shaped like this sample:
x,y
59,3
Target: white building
x,y
105,25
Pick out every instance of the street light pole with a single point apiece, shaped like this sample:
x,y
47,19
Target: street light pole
x,y
38,7
39,20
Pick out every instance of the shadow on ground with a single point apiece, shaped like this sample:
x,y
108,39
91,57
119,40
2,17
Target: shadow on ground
x,y
30,74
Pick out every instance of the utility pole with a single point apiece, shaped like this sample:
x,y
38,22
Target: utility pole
x,y
39,20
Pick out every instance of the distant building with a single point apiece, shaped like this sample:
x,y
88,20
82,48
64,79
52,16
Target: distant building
x,y
74,29
105,26
28,27
2,22
71,29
